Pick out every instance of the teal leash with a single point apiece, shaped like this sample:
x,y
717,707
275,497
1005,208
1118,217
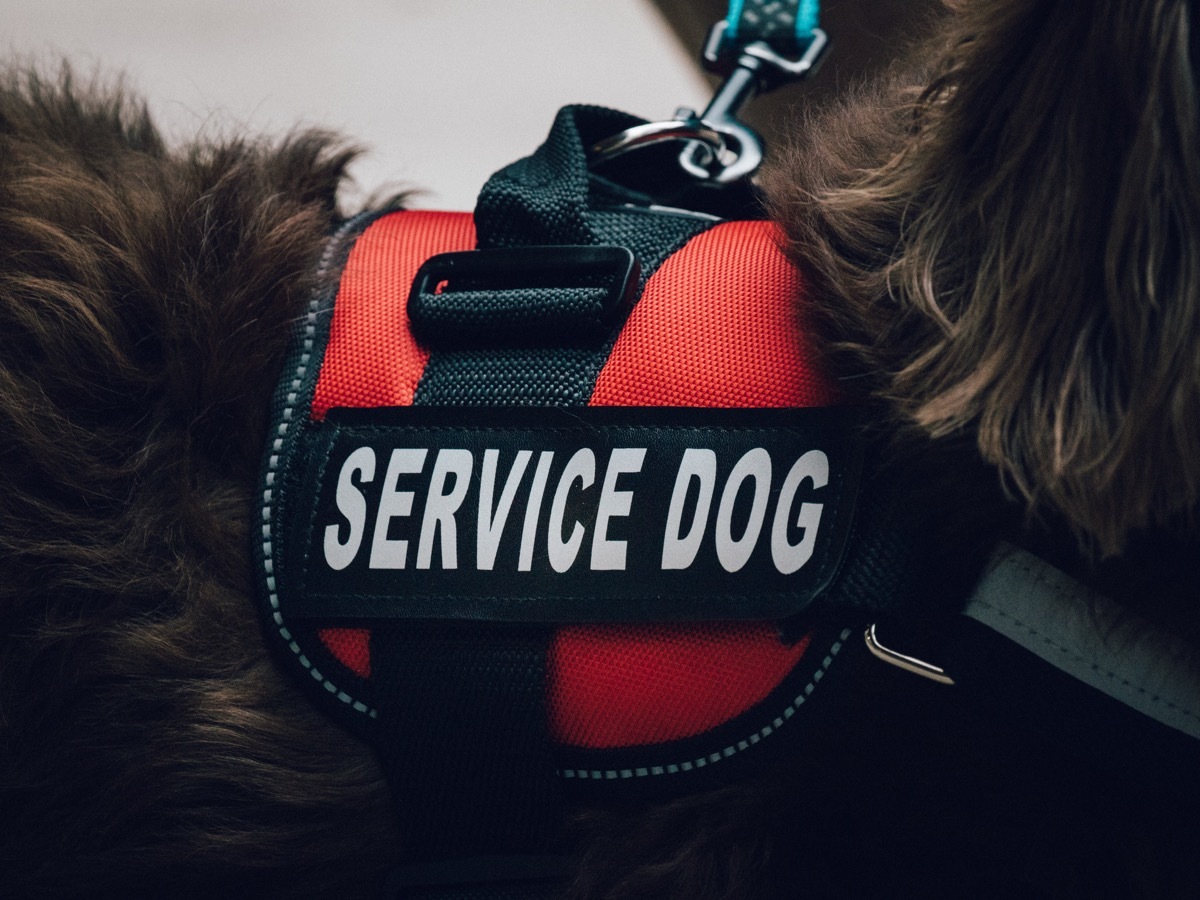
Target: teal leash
x,y
787,25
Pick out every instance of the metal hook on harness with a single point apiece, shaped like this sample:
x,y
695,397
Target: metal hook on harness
x,y
758,69
904,661
685,127
721,149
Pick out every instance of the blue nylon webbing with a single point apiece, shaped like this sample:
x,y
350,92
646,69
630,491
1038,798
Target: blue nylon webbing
x,y
769,20
734,19
806,18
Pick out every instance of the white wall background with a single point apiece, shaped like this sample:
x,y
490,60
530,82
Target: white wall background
x,y
442,92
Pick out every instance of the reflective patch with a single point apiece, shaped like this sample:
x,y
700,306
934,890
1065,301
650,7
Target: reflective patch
x,y
570,515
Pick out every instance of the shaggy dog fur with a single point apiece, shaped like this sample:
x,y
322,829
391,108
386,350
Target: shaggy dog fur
x,y
1004,249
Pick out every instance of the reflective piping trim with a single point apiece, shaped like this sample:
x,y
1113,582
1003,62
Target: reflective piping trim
x,y
1089,637
268,495
746,743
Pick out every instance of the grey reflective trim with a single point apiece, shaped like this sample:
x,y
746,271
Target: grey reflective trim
x,y
1090,638
268,495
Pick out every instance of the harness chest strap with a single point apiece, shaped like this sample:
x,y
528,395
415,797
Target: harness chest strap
x,y
1087,637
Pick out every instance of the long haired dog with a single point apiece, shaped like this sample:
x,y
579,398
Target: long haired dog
x,y
1003,243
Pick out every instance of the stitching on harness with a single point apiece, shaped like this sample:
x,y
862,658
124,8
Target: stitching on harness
x,y
1067,652
734,748
310,330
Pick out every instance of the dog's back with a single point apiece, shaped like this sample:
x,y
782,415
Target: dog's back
x,y
147,296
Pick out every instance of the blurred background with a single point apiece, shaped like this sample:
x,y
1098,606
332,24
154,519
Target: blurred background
x,y
442,92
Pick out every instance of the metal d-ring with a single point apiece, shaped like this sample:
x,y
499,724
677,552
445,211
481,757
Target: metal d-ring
x,y
907,663
691,130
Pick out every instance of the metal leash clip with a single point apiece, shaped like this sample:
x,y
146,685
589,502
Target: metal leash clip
x,y
721,148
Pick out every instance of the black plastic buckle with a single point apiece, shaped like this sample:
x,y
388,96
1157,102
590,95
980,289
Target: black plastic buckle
x,y
428,880
523,295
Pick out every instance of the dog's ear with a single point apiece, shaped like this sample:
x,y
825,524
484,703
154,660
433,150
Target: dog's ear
x,y
1012,249
245,223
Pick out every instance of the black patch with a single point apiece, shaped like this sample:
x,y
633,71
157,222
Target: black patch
x,y
612,534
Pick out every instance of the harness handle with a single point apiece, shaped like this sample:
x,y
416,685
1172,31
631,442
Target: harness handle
x,y
758,46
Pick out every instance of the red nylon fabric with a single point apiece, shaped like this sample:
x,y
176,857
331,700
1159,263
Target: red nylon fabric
x,y
351,647
636,685
372,358
718,325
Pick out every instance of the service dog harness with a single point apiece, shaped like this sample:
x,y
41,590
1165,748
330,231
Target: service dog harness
x,y
562,506
493,469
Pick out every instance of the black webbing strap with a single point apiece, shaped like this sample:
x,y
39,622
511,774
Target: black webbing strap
x,y
509,877
549,199
462,735
465,738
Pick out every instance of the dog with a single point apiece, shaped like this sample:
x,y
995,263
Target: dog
x,y
1000,236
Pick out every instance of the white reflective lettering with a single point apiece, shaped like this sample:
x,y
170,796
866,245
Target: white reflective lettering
x,y
700,464
353,505
491,522
388,554
606,554
440,507
581,467
536,491
790,557
733,554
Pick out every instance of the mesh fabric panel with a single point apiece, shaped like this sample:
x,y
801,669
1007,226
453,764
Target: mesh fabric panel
x,y
633,685
350,646
372,358
718,325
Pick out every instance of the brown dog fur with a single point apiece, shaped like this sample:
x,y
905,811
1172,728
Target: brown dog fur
x,y
1003,247
148,296
1003,243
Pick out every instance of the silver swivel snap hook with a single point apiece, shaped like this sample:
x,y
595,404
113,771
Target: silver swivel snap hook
x,y
758,69
721,149
686,126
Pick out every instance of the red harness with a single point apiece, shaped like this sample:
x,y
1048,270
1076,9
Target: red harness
x,y
718,325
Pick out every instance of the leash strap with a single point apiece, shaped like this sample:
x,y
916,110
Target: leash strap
x,y
787,25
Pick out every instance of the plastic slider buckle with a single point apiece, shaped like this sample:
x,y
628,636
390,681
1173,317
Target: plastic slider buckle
x,y
553,266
